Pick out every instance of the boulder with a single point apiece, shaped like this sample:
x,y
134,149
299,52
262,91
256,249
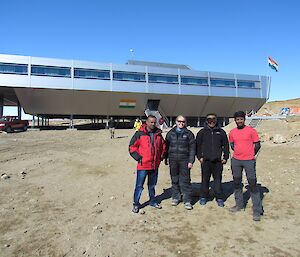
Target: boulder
x,y
279,139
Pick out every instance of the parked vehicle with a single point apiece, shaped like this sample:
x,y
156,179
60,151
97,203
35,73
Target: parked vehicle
x,y
12,123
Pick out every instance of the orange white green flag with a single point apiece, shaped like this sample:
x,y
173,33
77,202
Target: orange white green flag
x,y
273,65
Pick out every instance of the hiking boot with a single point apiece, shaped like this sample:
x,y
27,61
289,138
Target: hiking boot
x,y
256,217
156,205
175,202
188,206
220,203
202,201
135,209
235,209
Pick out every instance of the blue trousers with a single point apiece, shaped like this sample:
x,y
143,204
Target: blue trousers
x,y
140,180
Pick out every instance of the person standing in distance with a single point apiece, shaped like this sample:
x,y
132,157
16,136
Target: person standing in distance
x,y
213,153
111,126
148,148
244,142
181,150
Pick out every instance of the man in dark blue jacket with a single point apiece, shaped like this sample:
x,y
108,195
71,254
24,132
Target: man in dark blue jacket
x,y
213,153
181,150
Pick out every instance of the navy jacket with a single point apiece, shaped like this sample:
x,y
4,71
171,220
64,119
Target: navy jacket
x,y
181,146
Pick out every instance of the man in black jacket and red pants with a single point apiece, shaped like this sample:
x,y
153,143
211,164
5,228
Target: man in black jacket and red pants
x,y
213,153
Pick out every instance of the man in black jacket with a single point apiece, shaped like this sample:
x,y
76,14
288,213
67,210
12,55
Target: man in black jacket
x,y
212,143
181,149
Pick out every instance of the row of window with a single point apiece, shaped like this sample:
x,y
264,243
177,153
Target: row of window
x,y
52,71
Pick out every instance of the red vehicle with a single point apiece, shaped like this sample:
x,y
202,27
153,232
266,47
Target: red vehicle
x,y
12,123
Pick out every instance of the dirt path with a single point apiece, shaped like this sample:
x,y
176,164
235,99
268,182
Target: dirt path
x,y
75,200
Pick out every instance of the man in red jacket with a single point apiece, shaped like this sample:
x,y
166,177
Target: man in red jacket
x,y
148,148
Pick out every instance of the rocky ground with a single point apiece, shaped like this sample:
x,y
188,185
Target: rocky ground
x,y
69,193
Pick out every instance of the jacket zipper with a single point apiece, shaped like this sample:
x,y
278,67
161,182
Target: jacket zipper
x,y
212,141
152,149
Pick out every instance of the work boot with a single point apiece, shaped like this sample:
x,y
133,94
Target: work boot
x,y
135,209
202,201
236,209
175,202
256,217
220,203
188,206
156,205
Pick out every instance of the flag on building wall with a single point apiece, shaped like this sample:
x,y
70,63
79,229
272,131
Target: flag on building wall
x,y
274,65
127,103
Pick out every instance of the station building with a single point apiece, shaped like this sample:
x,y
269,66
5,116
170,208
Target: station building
x,y
59,88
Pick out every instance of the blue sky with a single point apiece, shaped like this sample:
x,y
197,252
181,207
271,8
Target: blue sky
x,y
215,35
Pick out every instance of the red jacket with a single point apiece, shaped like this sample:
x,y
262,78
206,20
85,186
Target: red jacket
x,y
148,154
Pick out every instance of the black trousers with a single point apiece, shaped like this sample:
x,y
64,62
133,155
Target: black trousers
x,y
181,180
215,169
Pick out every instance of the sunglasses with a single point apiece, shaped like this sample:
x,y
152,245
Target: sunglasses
x,y
211,119
181,121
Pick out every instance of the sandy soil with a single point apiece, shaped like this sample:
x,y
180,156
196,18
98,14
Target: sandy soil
x,y
75,200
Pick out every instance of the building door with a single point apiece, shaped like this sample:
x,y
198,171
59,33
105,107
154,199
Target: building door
x,y
152,104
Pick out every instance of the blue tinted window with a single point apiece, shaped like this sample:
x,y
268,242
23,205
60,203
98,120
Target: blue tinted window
x,y
154,78
91,74
246,84
222,83
129,76
13,68
51,71
194,81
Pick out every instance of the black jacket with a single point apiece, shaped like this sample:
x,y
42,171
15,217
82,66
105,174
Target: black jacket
x,y
111,124
211,143
181,146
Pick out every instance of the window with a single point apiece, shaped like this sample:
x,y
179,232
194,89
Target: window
x,y
157,78
129,76
194,81
91,74
51,71
222,83
250,84
13,68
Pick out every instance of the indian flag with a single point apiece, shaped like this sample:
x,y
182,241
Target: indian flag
x,y
127,103
274,65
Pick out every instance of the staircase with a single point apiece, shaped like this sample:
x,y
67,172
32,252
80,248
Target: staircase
x,y
158,114
253,122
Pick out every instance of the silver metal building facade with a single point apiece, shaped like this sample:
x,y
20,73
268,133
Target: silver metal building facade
x,y
57,87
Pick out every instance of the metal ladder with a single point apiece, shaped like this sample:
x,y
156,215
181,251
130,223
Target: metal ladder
x,y
158,114
254,122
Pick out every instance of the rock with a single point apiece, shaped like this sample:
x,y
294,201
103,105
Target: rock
x,y
279,139
96,228
113,198
23,173
7,245
4,176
